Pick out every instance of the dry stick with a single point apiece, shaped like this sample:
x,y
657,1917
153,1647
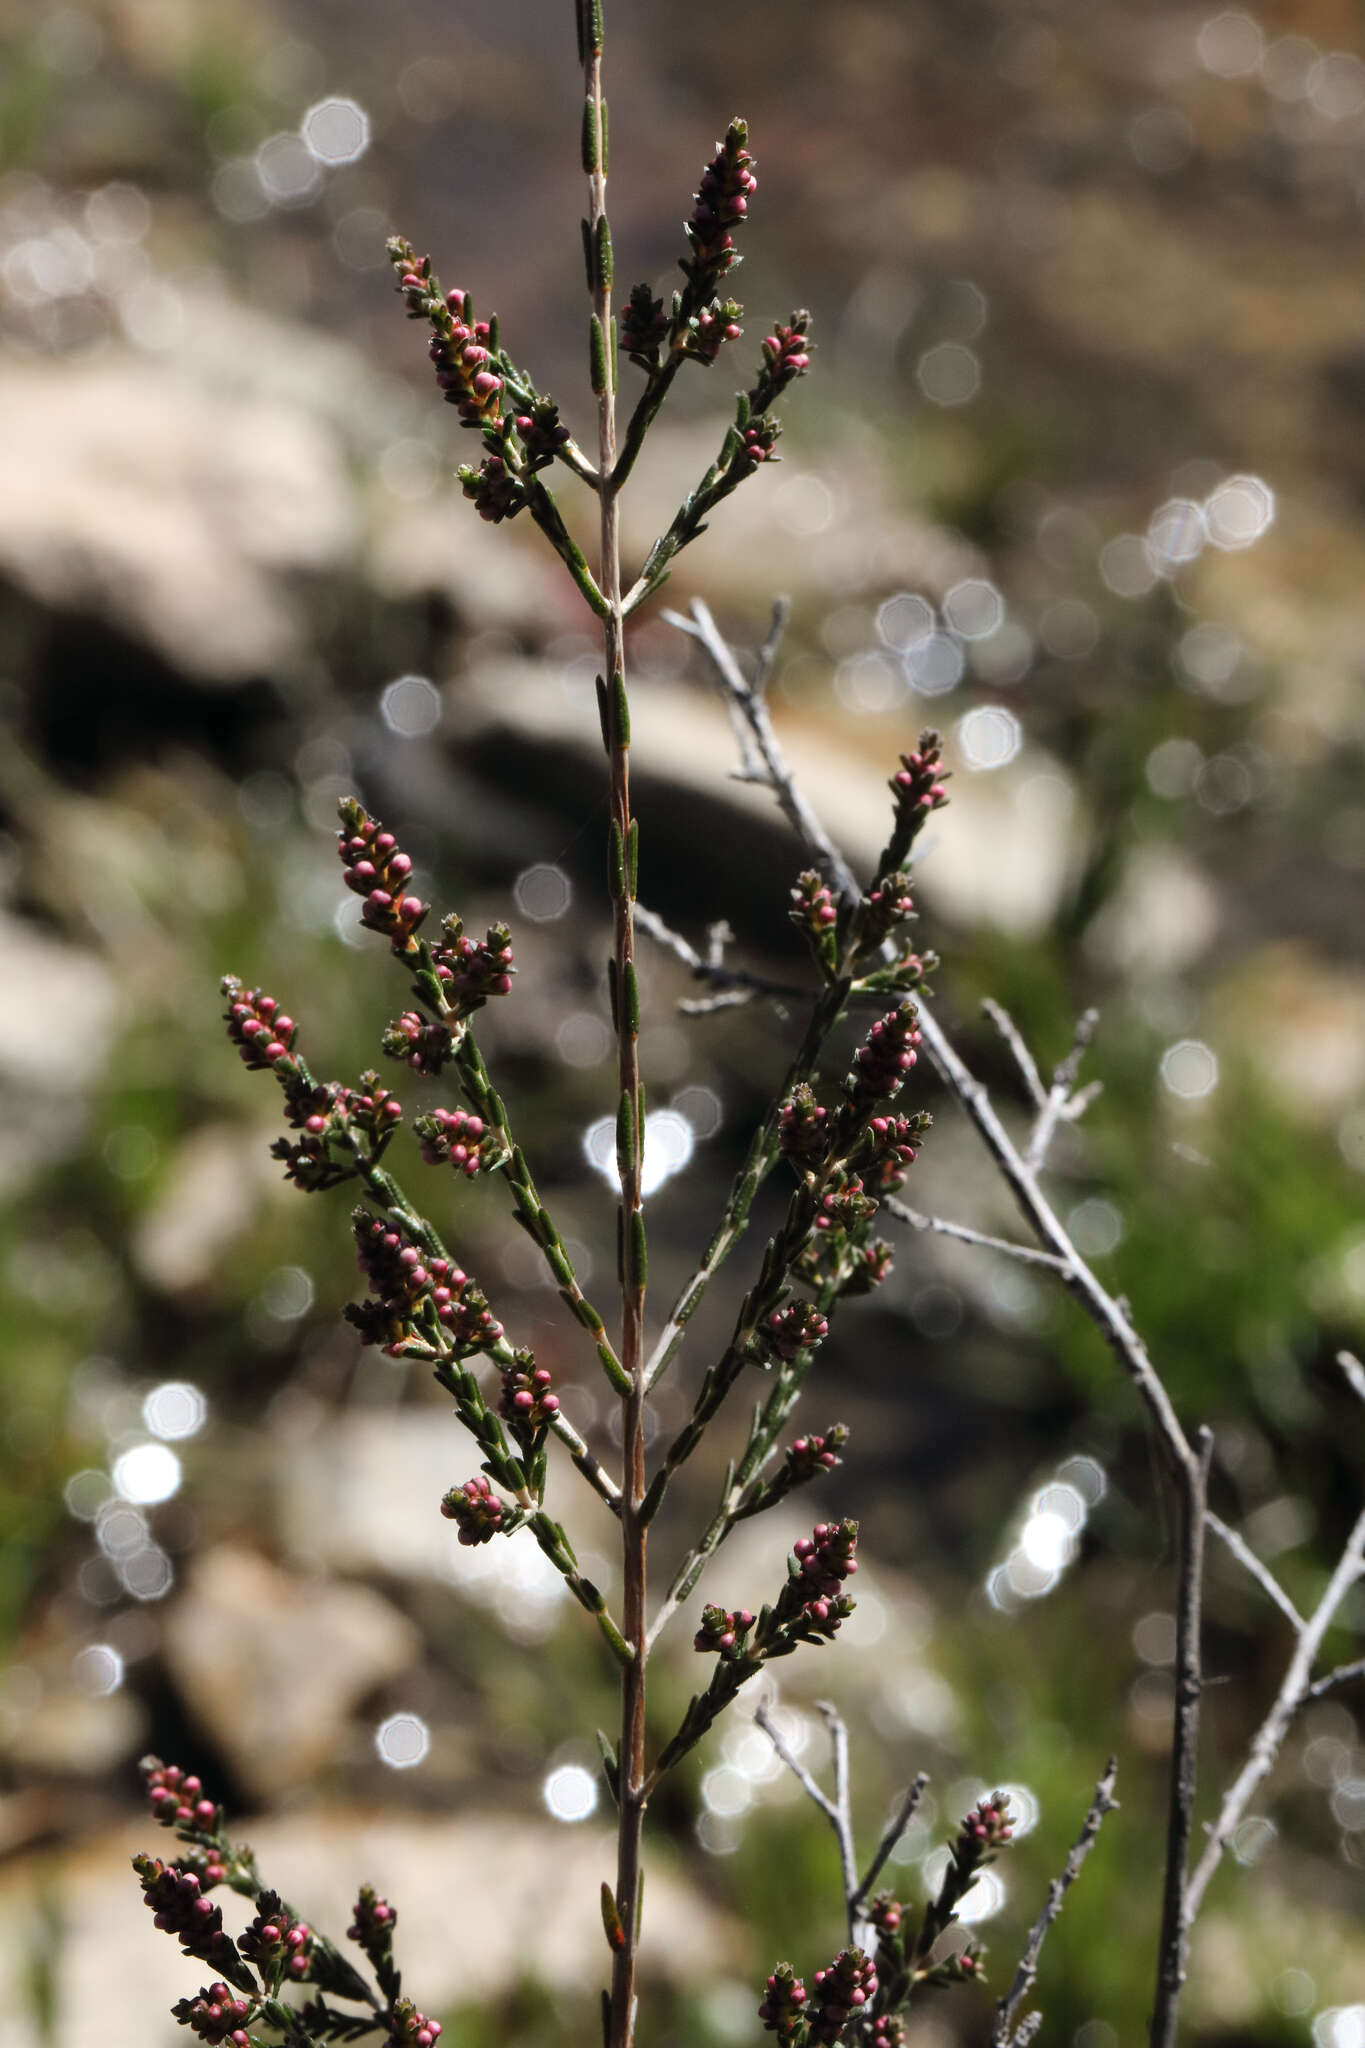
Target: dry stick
x,y
1023,1058
1104,1802
848,1856
896,1827
726,979
1266,1743
620,2027
839,1810
1344,1674
1061,1096
1027,1254
1354,1371
1262,1573
1189,1685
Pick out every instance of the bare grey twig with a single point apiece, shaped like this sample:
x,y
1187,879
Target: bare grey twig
x,y
1261,1572
733,985
1023,1058
1189,1686
843,1807
1332,1681
1061,1102
1103,1802
1266,1743
838,1811
703,628
1354,1371
1028,1254
895,1828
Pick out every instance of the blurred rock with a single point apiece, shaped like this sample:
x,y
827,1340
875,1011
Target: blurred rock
x,y
683,739
273,1664
167,509
57,1025
207,1202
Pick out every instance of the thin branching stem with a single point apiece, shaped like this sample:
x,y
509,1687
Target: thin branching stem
x,y
1260,1571
895,1828
1189,1686
620,2029
1269,1737
1004,2034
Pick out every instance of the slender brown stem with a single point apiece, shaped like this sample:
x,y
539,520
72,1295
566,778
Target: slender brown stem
x,y
631,1756
1189,1685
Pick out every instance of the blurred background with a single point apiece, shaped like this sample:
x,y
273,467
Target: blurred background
x,y
1080,477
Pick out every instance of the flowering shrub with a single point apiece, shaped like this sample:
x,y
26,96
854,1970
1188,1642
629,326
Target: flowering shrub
x,y
842,1149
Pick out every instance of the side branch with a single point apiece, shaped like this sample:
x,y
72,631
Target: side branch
x,y
1104,1802
1189,1685
1269,1737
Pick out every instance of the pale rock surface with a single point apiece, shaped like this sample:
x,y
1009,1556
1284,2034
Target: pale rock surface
x,y
1015,832
273,1664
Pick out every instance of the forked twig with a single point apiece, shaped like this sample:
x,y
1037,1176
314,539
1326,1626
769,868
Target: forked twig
x,y
1103,1802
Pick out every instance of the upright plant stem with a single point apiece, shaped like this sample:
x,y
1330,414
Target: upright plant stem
x,y
1189,1682
631,1757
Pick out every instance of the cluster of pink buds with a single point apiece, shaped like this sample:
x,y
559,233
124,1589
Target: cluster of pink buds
x,y
495,490
405,1281
962,1968
794,1328
526,1400
809,1455
845,1207
478,1514
326,1114
803,1127
722,1631
872,1264
722,201
841,1992
258,1028
888,2031
988,1826
821,1562
472,970
644,326
178,1906
458,1137
887,905
784,1999
176,1797
815,913
891,1145
886,1913
422,1046
372,1923
411,2029
377,869
918,783
786,356
885,1057
710,330
216,2016
461,351
279,1945
542,433
760,443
